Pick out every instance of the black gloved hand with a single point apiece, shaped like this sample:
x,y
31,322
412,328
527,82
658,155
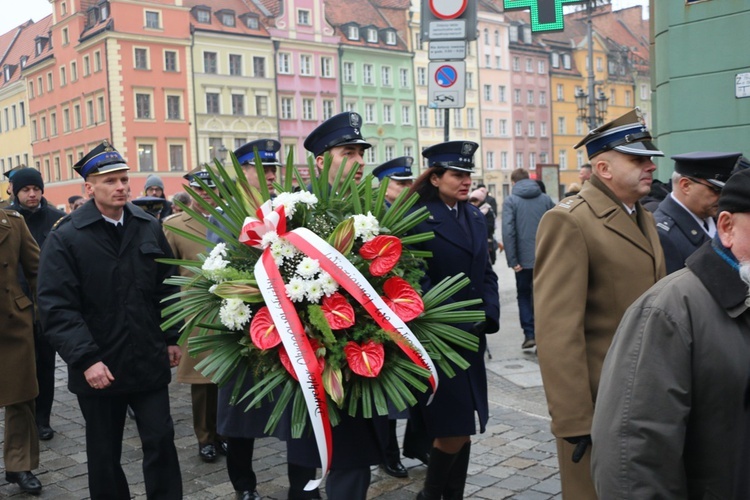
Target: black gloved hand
x,y
479,327
581,442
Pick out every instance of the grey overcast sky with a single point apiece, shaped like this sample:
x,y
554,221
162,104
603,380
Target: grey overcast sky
x,y
16,12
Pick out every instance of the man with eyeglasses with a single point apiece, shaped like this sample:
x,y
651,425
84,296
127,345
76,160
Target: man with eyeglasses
x,y
685,218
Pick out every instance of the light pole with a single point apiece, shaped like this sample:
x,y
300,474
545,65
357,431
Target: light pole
x,y
222,153
592,108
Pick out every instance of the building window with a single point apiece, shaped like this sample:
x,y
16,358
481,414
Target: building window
x,y
529,97
385,76
49,82
529,65
97,61
212,103
519,128
422,77
562,159
560,92
489,163
352,33
542,98
389,153
348,72
390,38
146,157
77,116
326,67
303,17
176,158
404,77
487,60
599,66
203,16
469,80
612,95
519,160
367,74
532,161
369,113
66,120
227,19
503,129
579,158
498,62
470,122
305,65
579,126
235,64
542,157
238,104
423,118
328,108
90,113
210,62
141,59
541,67
561,125
65,37
63,76
487,92
173,107
350,107
405,115
408,151
566,61
214,146
488,126
504,160
387,113
261,106
152,20
100,104
33,131
285,63
143,106
372,35
555,60
370,155
644,92
252,23
287,112
543,129
457,119
501,93
516,64
517,96
52,123
259,67
532,129
170,60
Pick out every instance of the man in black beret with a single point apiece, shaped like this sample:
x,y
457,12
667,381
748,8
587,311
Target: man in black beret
x,y
28,190
685,218
671,417
101,294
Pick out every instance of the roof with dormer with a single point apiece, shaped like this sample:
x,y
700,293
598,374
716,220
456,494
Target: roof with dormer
x,y
24,47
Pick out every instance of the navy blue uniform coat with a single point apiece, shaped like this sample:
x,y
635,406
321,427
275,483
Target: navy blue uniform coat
x,y
102,303
679,233
461,250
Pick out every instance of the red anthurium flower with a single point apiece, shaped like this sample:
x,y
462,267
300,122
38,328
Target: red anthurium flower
x,y
263,332
384,251
365,359
402,298
286,362
338,311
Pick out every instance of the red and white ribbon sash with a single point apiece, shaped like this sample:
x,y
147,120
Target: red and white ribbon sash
x,y
346,275
301,355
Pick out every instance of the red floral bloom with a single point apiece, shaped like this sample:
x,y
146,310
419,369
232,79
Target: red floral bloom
x,y
402,298
365,359
338,311
263,332
287,362
384,251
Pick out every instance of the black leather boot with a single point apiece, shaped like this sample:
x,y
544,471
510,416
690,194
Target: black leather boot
x,y
438,472
454,488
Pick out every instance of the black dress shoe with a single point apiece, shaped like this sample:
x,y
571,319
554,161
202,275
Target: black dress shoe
x,y
45,432
248,495
422,457
207,452
395,469
26,480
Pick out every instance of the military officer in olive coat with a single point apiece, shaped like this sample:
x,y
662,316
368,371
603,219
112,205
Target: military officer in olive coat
x,y
18,251
596,252
202,391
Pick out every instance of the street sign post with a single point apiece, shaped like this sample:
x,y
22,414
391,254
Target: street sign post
x,y
448,20
446,86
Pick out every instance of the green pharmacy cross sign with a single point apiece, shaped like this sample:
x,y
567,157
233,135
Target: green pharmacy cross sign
x,y
546,15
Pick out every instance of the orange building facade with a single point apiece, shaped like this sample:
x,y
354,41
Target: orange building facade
x,y
128,82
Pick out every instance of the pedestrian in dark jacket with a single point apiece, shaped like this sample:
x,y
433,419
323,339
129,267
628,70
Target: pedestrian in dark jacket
x,y
100,301
28,188
459,246
522,211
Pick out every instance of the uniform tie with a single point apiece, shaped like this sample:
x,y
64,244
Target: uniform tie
x,y
454,212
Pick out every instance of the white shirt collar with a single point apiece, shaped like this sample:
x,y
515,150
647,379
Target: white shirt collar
x,y
710,221
116,222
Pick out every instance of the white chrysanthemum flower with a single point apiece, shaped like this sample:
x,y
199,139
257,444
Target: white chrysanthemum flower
x,y
308,267
366,227
268,239
327,283
288,200
307,198
214,263
296,289
313,291
219,250
234,313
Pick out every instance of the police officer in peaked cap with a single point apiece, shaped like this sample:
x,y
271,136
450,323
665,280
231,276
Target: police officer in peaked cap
x,y
341,137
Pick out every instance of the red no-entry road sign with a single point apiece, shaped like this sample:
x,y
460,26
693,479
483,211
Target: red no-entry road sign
x,y
448,9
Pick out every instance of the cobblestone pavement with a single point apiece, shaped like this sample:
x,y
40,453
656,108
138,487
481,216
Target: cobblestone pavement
x,y
515,458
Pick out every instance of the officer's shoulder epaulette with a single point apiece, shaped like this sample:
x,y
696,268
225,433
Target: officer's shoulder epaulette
x,y
60,222
570,203
12,213
666,224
